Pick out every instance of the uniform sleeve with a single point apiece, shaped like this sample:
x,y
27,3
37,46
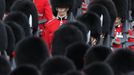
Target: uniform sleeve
x,y
47,37
47,10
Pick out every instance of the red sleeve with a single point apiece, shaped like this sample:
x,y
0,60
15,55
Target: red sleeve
x,y
48,35
47,10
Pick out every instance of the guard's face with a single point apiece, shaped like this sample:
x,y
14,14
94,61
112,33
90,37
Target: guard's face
x,y
117,21
62,10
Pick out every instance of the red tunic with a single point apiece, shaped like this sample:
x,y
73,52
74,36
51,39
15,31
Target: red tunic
x,y
50,28
118,30
44,12
131,39
117,43
44,9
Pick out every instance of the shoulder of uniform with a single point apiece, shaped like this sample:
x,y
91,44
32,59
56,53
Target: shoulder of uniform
x,y
50,21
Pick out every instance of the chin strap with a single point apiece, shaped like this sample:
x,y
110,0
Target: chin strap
x,y
61,19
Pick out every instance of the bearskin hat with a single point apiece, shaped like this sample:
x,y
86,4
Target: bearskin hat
x,y
81,27
11,40
73,72
130,73
102,10
8,5
65,36
76,52
77,3
25,70
3,37
110,7
132,6
57,65
98,68
92,21
129,4
27,7
121,61
122,8
21,19
31,50
61,3
102,0
17,31
2,8
97,53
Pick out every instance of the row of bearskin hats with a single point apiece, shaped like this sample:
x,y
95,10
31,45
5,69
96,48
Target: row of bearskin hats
x,y
33,48
120,8
98,27
110,9
14,24
91,19
17,12
115,63
28,8
95,4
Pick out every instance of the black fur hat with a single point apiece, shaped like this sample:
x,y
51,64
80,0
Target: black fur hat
x,y
3,37
11,40
21,19
122,8
17,31
61,3
77,3
97,53
132,6
8,5
25,70
57,65
28,8
73,72
132,9
5,67
102,0
98,68
81,27
102,10
2,8
92,22
76,52
121,61
31,50
65,36
129,4
130,73
111,8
